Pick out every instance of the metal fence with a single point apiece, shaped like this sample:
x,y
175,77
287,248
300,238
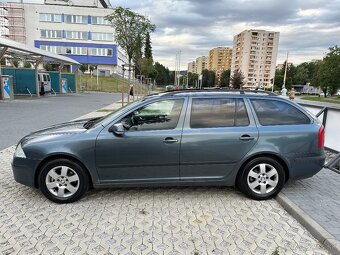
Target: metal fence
x,y
330,118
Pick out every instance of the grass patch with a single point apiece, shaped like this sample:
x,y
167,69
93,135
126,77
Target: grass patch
x,y
106,110
106,84
335,100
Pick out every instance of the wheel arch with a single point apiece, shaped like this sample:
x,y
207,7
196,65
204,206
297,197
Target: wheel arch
x,y
265,154
60,156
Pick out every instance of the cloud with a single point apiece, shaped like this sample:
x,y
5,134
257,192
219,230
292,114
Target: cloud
x,y
307,28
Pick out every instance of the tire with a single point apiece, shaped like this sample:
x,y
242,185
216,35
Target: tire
x,y
63,181
261,178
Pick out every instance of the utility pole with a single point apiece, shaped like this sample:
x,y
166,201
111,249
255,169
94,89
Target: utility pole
x,y
284,77
179,68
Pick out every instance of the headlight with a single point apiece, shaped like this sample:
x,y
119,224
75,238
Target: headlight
x,y
19,152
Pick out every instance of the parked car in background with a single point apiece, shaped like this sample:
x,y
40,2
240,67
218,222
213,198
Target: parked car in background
x,y
44,80
250,139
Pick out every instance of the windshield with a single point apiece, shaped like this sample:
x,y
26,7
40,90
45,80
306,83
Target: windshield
x,y
115,113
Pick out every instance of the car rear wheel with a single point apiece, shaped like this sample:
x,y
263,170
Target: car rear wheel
x,y
63,181
261,178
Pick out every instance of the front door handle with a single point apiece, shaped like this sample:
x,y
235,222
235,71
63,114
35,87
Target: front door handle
x,y
246,138
170,140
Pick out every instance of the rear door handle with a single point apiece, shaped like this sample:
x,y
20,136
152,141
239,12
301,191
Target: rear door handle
x,y
170,140
246,138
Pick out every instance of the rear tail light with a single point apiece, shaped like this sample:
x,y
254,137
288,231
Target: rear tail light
x,y
321,137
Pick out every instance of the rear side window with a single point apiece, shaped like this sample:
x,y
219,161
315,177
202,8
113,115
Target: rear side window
x,y
272,112
218,112
45,77
48,78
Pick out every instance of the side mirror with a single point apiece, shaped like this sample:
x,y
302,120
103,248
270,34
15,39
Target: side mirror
x,y
117,129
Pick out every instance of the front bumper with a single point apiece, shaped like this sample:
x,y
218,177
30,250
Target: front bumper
x,y
24,171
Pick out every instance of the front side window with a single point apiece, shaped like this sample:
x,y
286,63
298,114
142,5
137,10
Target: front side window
x,y
272,112
161,115
218,112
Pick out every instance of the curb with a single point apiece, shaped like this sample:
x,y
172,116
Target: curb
x,y
329,241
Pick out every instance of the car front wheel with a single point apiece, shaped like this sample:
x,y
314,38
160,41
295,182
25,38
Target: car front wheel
x,y
63,181
261,178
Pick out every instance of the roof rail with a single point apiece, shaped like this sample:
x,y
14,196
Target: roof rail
x,y
214,90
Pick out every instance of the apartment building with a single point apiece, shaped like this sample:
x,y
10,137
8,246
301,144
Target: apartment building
x,y
192,67
12,21
76,29
255,55
219,60
201,64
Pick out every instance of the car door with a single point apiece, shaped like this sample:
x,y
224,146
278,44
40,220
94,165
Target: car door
x,y
148,151
217,134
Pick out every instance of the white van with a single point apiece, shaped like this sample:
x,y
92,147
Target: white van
x,y
44,80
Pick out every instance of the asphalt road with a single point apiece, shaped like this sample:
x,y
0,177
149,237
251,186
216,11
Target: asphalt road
x,y
22,116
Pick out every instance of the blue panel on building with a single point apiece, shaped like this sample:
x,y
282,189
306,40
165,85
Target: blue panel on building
x,y
85,59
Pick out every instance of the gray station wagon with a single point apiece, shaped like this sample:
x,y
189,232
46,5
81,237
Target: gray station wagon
x,y
253,140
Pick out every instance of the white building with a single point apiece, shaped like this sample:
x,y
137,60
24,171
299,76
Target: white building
x,y
201,64
192,67
76,29
255,55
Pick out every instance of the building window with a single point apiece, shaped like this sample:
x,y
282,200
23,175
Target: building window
x,y
51,33
96,20
79,19
76,35
53,49
76,50
50,17
102,36
100,52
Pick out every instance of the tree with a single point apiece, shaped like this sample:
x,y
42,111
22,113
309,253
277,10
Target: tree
x,y
27,65
328,75
148,47
162,75
130,30
48,67
225,78
208,78
146,68
15,63
237,79
192,79
83,68
91,67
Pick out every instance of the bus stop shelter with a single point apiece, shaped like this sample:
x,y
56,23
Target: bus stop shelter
x,y
10,49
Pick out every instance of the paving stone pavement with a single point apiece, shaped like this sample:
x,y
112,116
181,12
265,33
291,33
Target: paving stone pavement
x,y
319,197
145,221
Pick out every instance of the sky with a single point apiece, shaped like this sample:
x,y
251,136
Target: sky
x,y
307,27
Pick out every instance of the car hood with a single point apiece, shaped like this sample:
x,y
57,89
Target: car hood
x,y
64,129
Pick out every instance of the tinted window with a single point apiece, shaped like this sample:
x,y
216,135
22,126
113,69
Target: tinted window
x,y
272,112
155,116
218,112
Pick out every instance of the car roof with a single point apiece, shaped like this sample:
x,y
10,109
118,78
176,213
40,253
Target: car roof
x,y
212,92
